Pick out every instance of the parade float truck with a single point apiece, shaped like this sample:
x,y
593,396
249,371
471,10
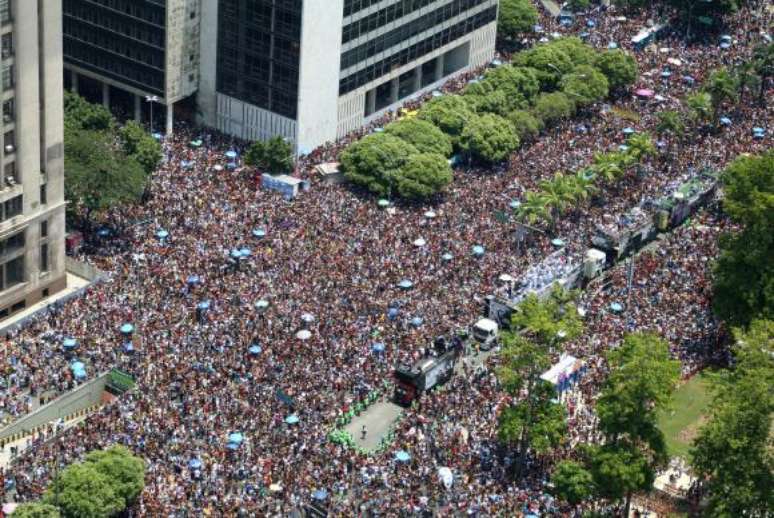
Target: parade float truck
x,y
411,381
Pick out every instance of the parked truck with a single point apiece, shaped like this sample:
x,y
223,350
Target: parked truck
x,y
437,368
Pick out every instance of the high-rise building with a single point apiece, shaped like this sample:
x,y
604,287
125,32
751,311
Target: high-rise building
x,y
308,70
32,209
134,55
314,70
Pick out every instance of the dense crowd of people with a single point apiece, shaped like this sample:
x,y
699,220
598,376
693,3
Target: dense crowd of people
x,y
334,254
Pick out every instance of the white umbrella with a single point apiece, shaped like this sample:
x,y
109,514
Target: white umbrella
x,y
307,317
445,476
304,334
420,242
674,61
430,214
506,278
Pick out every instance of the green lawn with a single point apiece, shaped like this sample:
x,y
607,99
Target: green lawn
x,y
681,424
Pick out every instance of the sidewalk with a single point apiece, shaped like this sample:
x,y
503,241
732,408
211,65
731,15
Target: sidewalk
x,y
551,6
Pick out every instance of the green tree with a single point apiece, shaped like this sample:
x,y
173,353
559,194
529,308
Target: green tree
x,y
423,135
763,62
423,175
550,64
526,125
517,82
137,143
580,52
83,492
586,85
35,510
534,209
79,114
619,67
495,102
670,122
734,450
553,107
449,113
516,17
489,138
374,161
721,86
274,156
572,482
746,78
99,176
640,383
641,146
123,470
744,271
700,107
534,422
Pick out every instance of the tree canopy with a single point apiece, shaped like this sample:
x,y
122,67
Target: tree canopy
x,y
586,85
81,491
526,125
550,64
744,271
449,113
373,161
36,510
141,146
423,135
553,107
125,471
423,175
572,482
274,156
516,17
733,450
619,67
489,138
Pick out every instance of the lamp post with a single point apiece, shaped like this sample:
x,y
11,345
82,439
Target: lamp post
x,y
151,99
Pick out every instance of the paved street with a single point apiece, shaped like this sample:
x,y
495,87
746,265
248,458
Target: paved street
x,y
377,419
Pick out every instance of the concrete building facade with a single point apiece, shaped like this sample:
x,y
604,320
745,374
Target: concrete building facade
x,y
308,70
32,208
144,51
314,70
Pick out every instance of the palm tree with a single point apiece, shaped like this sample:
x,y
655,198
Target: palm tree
x,y
746,77
641,146
721,86
700,105
670,122
534,209
583,184
607,166
763,61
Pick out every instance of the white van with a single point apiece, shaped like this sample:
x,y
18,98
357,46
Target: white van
x,y
485,332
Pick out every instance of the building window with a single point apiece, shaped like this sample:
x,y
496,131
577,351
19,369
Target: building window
x,y
43,194
8,111
7,45
19,306
12,245
9,142
5,11
44,229
44,257
13,207
10,174
12,272
7,77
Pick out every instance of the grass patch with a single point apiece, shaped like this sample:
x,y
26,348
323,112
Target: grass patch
x,y
681,424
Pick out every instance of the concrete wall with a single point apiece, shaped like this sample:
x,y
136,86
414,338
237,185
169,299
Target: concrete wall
x,y
182,72
84,396
249,122
208,56
318,88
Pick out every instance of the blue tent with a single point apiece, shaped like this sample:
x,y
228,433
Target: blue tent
x,y
417,321
194,464
758,133
382,203
77,365
628,131
245,252
591,23
447,257
185,164
496,62
259,232
557,242
320,494
666,73
196,143
725,121
392,313
261,304
162,234
231,154
127,328
612,45
70,343
128,347
402,456
514,204
236,253
406,284
616,307
378,347
292,419
231,166
232,446
537,28
203,305
623,147
103,232
689,79
478,250
584,35
255,349
193,279
236,438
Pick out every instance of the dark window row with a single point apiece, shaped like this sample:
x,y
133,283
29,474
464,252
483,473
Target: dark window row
x,y
259,52
416,51
404,32
353,6
381,18
153,12
127,71
115,22
115,43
